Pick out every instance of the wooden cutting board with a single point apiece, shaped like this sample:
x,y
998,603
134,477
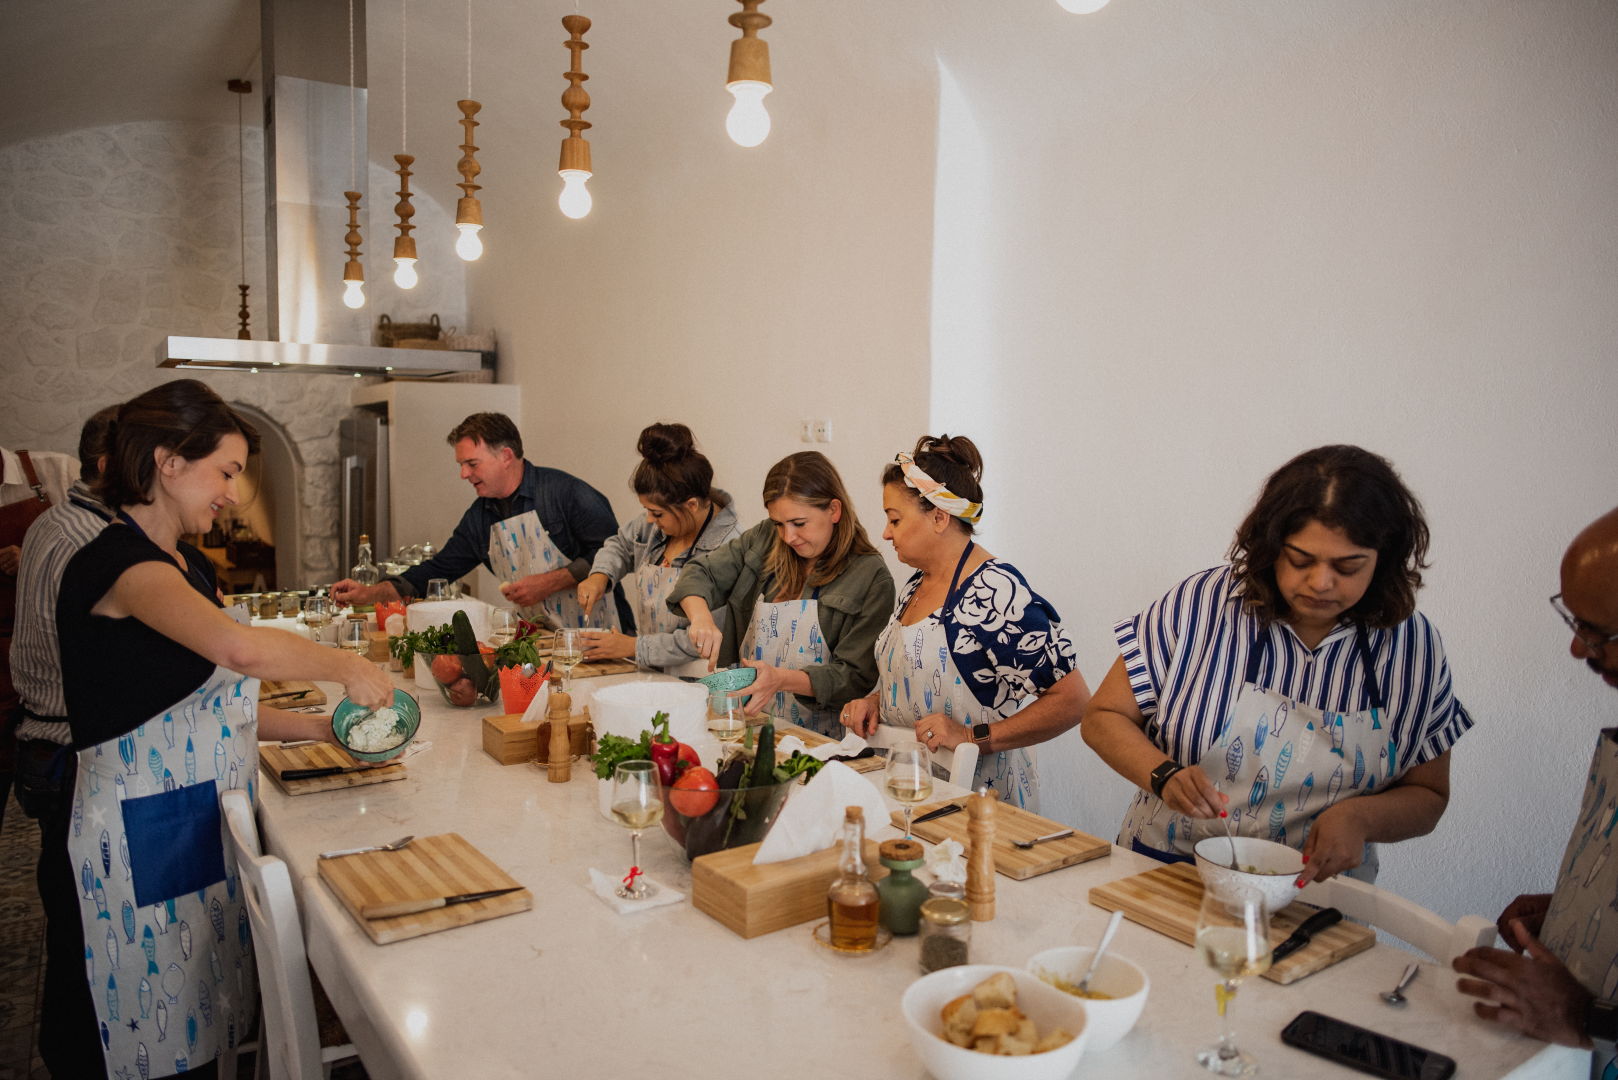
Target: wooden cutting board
x,y
276,760
812,739
1011,823
286,695
1167,900
604,667
444,865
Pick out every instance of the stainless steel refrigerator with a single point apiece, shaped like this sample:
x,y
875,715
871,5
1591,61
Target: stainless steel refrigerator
x,y
363,461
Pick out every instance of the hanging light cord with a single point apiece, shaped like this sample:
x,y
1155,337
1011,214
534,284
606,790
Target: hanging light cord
x,y
241,185
404,59
353,94
468,48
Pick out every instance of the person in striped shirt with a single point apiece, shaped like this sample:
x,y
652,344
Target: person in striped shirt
x,y
1296,689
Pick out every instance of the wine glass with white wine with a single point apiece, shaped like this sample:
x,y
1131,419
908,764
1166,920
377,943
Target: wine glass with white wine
x,y
725,722
317,615
637,803
909,776
502,626
567,652
355,637
1233,938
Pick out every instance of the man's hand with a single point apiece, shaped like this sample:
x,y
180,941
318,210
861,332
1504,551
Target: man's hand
x,y
349,591
531,590
1528,909
1534,992
10,557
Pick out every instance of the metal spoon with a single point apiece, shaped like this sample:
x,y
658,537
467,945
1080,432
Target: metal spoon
x,y
1396,995
1026,844
402,842
1101,949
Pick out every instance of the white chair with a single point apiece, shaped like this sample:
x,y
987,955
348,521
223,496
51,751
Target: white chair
x,y
1406,920
959,763
289,1032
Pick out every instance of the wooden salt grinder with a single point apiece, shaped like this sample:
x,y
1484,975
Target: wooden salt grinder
x,y
559,754
980,859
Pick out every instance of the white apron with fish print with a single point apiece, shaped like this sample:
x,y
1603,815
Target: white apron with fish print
x,y
649,587
1281,762
520,547
1581,927
787,635
916,678
167,949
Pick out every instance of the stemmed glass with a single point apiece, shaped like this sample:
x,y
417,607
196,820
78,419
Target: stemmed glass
x,y
567,651
724,722
316,615
637,803
909,776
1233,937
502,626
355,637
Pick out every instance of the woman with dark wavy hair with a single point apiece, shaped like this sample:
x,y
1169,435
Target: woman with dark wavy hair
x,y
1311,697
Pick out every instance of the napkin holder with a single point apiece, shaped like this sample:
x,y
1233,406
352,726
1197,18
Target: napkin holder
x,y
511,742
752,900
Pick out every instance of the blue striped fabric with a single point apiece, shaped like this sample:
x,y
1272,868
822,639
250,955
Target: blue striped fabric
x,y
1185,655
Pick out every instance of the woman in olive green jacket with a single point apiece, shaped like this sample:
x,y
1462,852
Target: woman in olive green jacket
x,y
807,592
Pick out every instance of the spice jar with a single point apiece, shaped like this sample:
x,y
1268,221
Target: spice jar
x,y
949,890
269,605
946,933
900,892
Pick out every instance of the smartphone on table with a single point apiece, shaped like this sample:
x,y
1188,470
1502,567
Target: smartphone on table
x,y
1365,1050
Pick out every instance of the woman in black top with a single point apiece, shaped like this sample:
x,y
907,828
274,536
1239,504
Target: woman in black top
x,y
162,699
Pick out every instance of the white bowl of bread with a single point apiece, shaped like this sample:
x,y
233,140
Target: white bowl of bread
x,y
986,1022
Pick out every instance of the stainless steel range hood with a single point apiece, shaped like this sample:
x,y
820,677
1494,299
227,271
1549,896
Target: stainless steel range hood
x,y
307,163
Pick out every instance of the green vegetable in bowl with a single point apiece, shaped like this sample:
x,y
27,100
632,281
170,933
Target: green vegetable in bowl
x,y
613,750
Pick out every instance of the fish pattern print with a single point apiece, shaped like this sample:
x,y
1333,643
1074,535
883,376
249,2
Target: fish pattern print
x,y
787,634
141,960
520,547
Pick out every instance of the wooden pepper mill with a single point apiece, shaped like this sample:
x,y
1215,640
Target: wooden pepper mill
x,y
980,859
559,753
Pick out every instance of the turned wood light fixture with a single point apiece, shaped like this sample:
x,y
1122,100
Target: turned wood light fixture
x,y
404,245
241,88
748,122
353,271
468,210
574,169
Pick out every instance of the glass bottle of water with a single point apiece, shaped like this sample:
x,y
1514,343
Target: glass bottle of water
x,y
365,571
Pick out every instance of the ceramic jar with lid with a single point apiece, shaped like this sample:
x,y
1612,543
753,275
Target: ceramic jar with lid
x,y
900,892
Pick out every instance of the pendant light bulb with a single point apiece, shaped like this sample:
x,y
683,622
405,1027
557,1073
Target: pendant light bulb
x,y
354,294
1082,7
404,275
748,122
469,245
575,200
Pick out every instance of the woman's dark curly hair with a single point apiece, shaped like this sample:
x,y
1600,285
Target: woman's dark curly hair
x,y
1342,487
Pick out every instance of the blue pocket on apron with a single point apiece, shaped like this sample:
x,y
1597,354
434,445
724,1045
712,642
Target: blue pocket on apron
x,y
175,844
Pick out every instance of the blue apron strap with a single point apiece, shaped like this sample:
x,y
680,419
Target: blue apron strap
x,y
1373,690
1157,853
955,579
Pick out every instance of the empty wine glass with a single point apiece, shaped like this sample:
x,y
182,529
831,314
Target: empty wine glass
x,y
909,776
1233,937
567,652
637,803
502,626
317,615
438,589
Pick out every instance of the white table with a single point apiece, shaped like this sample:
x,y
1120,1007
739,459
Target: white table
x,y
572,989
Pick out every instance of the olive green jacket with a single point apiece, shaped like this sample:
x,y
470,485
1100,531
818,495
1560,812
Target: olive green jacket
x,y
854,607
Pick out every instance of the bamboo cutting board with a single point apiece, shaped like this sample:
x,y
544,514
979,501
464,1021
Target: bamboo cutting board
x,y
1167,900
431,866
1011,823
290,695
812,739
604,667
277,759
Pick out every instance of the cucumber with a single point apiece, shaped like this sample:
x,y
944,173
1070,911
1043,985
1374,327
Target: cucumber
x,y
466,647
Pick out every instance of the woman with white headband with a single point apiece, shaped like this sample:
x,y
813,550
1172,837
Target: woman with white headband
x,y
971,654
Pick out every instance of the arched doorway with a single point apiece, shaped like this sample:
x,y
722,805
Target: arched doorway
x,y
277,503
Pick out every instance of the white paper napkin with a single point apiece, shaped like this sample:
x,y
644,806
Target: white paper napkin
x,y
535,713
606,887
947,861
812,819
851,745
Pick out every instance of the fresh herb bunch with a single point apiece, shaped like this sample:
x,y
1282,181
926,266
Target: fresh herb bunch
x,y
613,750
520,650
434,639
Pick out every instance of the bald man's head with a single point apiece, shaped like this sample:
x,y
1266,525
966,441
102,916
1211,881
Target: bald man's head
x,y
1590,591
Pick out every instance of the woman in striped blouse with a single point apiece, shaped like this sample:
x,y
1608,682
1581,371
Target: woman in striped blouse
x,y
1313,698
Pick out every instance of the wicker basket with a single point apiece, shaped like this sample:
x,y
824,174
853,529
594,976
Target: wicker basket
x,y
427,335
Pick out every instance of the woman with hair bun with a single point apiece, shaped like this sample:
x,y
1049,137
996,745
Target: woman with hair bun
x,y
686,517
1296,690
971,654
806,594
162,701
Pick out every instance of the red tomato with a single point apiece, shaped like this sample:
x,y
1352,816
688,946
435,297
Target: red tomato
x,y
695,793
447,668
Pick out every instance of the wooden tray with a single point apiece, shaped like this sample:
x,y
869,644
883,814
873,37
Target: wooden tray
x,y
277,760
812,739
287,695
1011,823
1167,900
444,865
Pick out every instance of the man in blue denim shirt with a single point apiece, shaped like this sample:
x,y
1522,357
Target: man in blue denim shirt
x,y
575,518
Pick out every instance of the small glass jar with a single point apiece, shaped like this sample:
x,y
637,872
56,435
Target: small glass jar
x,y
269,605
291,604
946,933
949,890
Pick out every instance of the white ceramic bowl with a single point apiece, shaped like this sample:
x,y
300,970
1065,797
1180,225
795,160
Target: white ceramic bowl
x,y
1278,866
1047,1006
1125,980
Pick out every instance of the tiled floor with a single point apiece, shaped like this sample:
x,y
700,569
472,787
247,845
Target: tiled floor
x,y
22,930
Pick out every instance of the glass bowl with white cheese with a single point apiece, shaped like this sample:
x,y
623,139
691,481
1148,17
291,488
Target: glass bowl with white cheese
x,y
379,734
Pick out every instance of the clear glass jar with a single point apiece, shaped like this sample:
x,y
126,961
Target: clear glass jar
x,y
946,933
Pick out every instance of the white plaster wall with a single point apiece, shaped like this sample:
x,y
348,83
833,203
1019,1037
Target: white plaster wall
x,y
116,237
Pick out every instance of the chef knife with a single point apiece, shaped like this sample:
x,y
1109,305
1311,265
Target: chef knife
x,y
411,907
942,811
326,770
1314,924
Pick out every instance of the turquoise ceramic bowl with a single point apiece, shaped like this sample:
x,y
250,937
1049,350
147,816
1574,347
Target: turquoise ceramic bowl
x,y
729,680
347,714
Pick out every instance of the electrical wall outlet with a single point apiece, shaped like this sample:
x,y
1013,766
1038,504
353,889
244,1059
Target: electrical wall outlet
x,y
806,431
821,430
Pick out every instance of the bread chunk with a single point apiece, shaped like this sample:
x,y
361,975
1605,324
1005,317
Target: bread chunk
x,y
999,991
959,1016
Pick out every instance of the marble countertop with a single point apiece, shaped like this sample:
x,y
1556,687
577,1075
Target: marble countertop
x,y
571,988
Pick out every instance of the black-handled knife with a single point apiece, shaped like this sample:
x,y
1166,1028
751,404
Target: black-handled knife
x,y
1314,924
942,811
412,907
329,770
